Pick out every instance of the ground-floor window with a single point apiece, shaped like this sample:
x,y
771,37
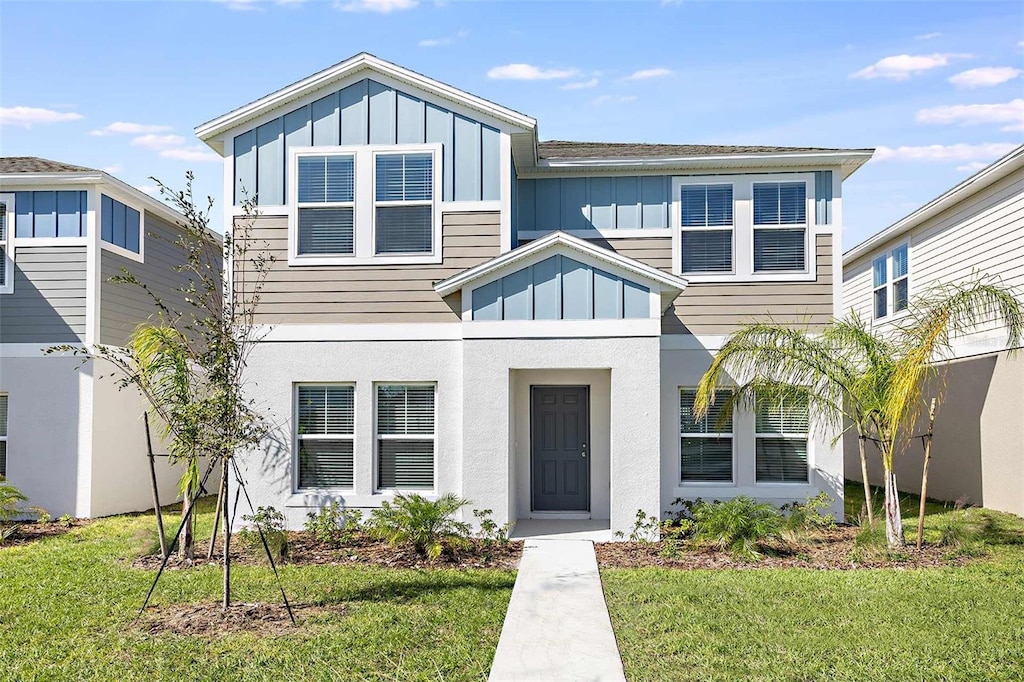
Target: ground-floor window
x,y
406,436
325,419
3,435
706,444
781,450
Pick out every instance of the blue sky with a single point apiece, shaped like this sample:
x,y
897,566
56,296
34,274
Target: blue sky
x,y
937,87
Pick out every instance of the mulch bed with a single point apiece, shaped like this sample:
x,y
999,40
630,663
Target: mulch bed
x,y
206,620
831,549
29,532
303,550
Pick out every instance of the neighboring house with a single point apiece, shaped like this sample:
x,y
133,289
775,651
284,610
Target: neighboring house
x,y
457,307
69,439
975,228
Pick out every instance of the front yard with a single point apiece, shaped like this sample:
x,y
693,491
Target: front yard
x,y
949,623
67,604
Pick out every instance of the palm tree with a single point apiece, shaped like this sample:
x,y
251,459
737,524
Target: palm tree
x,y
870,380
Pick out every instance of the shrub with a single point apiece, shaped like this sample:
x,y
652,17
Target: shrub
x,y
43,517
675,533
271,522
808,515
953,530
739,525
66,520
490,532
428,526
10,507
334,526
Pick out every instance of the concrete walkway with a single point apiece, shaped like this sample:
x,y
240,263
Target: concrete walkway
x,y
557,626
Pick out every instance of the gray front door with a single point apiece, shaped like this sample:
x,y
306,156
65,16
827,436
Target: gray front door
x,y
559,438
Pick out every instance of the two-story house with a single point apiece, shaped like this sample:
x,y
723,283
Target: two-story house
x,y
458,307
975,228
69,438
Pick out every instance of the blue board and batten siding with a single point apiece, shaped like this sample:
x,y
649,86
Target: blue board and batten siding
x,y
616,203
369,112
560,288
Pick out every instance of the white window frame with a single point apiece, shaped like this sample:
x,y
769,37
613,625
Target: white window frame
x,y
889,286
139,257
680,481
3,436
893,280
378,437
678,225
297,438
294,171
364,209
883,287
7,242
743,228
805,437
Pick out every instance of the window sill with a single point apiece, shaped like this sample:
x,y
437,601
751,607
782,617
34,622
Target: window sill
x,y
121,251
732,278
418,259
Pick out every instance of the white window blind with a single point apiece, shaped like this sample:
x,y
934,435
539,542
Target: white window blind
x,y
780,226
706,216
900,278
3,245
3,435
880,281
325,420
404,211
781,441
406,437
705,445
326,205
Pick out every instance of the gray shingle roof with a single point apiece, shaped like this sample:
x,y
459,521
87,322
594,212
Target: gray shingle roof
x,y
33,164
560,149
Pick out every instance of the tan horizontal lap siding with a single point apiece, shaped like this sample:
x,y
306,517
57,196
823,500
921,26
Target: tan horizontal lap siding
x,y
368,293
716,308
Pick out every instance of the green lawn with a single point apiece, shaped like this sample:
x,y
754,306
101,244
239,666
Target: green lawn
x,y
962,623
67,604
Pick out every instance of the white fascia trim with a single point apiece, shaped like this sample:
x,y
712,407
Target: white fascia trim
x,y
363,61
560,329
437,331
456,282
602,233
977,182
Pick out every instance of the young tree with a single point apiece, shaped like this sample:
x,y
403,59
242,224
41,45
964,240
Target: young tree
x,y
850,373
188,362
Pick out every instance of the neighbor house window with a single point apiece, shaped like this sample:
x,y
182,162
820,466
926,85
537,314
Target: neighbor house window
x,y
705,444
780,226
900,279
6,259
120,225
325,426
706,217
781,441
3,435
326,205
406,436
403,208
880,285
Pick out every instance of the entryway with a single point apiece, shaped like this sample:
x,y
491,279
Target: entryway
x,y
559,455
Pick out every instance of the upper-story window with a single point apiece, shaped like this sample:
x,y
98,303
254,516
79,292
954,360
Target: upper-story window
x,y
120,225
890,271
706,217
366,204
50,214
6,261
780,226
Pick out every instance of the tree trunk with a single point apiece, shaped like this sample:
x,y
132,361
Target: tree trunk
x,y
156,490
216,517
864,476
187,539
893,519
924,473
227,535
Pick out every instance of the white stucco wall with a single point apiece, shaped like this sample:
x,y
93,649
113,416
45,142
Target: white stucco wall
x,y
275,367
49,431
683,369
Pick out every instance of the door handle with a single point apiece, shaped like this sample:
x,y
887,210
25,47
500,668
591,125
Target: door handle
x,y
584,446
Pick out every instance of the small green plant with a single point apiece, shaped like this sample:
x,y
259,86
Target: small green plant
x,y
429,526
675,533
807,515
43,517
490,532
334,526
271,522
66,520
739,525
953,530
646,528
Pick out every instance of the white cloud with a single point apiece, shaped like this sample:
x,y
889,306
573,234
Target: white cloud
x,y
903,66
1011,113
116,168
151,190
984,77
126,128
157,142
197,153
972,167
645,74
528,72
255,5
945,152
442,42
927,36
379,6
612,99
580,85
26,117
